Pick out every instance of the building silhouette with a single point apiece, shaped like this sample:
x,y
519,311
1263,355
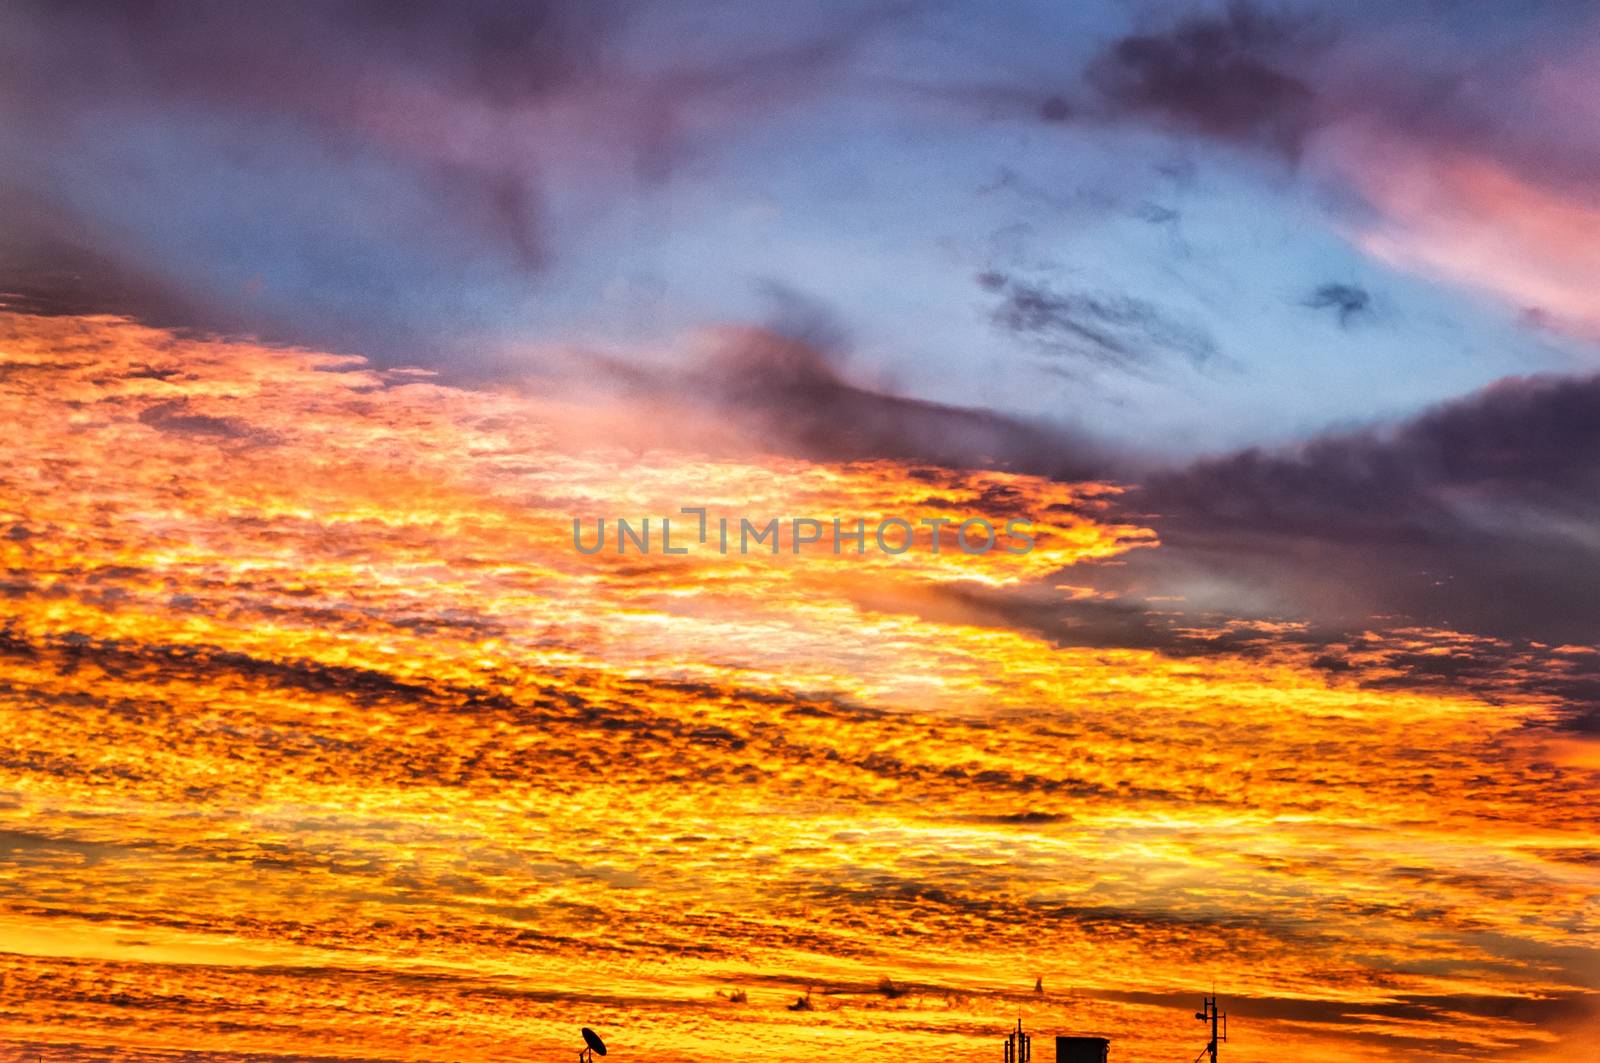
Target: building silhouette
x,y
1082,1050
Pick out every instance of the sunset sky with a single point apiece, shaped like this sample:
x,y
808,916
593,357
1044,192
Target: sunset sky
x,y
321,324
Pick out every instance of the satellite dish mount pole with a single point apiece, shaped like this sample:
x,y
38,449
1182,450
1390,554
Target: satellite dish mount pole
x,y
591,1045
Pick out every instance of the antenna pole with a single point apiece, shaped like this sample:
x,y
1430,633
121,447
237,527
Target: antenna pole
x,y
1219,1029
1019,1046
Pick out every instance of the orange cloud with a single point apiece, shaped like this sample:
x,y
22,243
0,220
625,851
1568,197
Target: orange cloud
x,y
321,740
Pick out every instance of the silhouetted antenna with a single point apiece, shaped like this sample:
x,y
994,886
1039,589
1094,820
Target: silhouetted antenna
x,y
1211,1014
1019,1046
593,1046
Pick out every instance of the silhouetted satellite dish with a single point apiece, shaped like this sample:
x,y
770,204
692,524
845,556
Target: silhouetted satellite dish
x,y
592,1039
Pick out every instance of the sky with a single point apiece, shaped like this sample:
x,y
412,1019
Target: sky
x,y
330,332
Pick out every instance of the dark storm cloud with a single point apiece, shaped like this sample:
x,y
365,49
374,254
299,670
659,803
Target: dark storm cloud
x,y
499,51
783,383
1224,75
328,67
789,389
354,175
1101,331
273,168
1477,516
1271,76
49,266
1489,501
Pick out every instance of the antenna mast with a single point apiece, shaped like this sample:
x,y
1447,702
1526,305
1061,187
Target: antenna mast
x,y
1019,1046
1219,1026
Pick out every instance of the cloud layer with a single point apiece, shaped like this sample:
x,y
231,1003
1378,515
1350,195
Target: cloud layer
x,y
323,741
